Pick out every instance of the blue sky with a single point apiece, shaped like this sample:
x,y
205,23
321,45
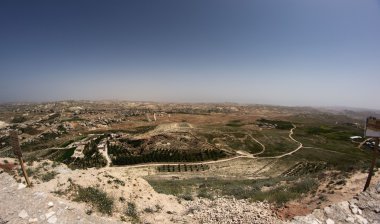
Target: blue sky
x,y
286,52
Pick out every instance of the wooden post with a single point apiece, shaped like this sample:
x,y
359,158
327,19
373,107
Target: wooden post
x,y
370,173
24,171
17,151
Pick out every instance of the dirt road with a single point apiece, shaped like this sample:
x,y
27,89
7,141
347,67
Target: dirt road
x,y
105,154
289,153
241,155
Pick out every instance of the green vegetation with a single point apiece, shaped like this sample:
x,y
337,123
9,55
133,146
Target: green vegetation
x,y
187,196
91,159
283,194
119,182
48,176
73,119
279,189
141,129
183,168
19,119
330,144
125,156
67,143
73,140
96,198
235,123
283,125
334,132
30,171
30,130
148,210
305,168
241,141
131,211
66,155
277,142
49,136
92,156
43,143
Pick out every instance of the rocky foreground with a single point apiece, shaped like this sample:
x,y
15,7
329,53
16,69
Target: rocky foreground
x,y
226,210
41,205
23,205
363,209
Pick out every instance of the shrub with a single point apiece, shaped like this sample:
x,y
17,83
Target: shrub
x,y
304,186
120,182
131,211
149,210
48,176
30,171
187,197
97,198
203,193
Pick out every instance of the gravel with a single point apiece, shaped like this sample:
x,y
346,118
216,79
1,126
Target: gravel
x,y
230,210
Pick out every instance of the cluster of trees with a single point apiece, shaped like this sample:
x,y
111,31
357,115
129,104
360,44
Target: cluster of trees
x,y
284,125
182,168
92,156
123,156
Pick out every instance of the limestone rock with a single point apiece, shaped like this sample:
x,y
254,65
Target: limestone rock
x,y
48,215
21,186
33,220
23,214
364,208
53,219
50,204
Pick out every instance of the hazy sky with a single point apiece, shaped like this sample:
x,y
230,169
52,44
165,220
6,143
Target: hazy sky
x,y
287,52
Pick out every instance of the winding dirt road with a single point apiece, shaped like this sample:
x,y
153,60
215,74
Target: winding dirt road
x,y
262,145
289,153
241,155
105,154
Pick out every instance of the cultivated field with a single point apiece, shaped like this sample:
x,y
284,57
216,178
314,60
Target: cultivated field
x,y
287,156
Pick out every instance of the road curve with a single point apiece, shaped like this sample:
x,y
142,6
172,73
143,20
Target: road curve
x,y
106,156
262,145
289,153
291,132
182,163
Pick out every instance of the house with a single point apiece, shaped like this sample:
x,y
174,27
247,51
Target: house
x,y
356,138
78,153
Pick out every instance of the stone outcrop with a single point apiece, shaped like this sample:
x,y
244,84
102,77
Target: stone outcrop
x,y
364,208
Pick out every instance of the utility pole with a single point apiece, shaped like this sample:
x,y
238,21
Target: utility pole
x,y
372,130
370,173
17,151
